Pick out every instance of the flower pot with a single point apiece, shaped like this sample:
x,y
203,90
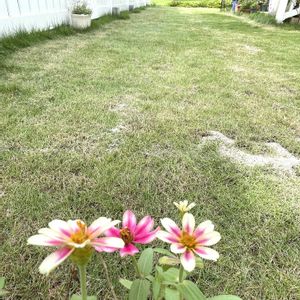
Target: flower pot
x,y
115,11
80,21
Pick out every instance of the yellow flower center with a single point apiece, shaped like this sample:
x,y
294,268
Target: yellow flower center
x,y
126,235
188,240
80,235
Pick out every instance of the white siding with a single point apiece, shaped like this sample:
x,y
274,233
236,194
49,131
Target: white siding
x,y
28,15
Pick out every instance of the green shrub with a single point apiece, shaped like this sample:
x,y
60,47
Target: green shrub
x,y
248,4
198,3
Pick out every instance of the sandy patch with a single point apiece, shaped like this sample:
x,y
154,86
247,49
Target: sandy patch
x,y
251,49
282,159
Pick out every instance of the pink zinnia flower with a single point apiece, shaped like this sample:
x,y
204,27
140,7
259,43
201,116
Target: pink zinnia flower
x,y
188,241
71,236
132,233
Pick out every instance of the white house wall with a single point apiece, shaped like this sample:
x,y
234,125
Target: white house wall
x,y
28,15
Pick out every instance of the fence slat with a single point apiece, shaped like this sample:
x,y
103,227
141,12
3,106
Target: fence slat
x,y
43,5
24,7
3,9
31,15
34,6
13,7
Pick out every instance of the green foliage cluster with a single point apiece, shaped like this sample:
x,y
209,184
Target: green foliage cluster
x,y
81,9
198,3
165,280
248,4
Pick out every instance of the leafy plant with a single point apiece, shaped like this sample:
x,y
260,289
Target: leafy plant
x,y
197,3
81,8
248,4
167,280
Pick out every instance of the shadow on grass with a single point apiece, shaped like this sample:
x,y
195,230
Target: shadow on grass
x,y
23,39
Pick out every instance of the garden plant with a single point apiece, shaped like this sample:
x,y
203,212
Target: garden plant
x,y
189,245
134,113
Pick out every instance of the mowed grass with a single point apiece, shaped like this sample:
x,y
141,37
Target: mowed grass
x,y
167,75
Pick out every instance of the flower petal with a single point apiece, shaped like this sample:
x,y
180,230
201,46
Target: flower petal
x,y
52,234
112,232
42,240
170,226
54,259
144,226
147,237
73,225
111,242
177,205
129,220
209,239
204,227
207,253
192,205
129,249
105,249
78,245
167,237
99,226
61,227
188,223
188,260
178,248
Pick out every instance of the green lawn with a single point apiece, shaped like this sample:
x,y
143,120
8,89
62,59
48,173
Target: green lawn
x,y
167,75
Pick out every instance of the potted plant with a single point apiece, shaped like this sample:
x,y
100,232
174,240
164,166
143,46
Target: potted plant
x,y
81,16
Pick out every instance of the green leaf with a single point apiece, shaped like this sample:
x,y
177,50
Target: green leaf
x,y
139,289
164,252
225,297
145,261
169,261
150,277
156,286
171,294
79,297
2,282
190,291
199,262
126,283
159,269
171,275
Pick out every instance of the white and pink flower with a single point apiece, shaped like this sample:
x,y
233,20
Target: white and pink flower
x,y
190,241
72,235
132,233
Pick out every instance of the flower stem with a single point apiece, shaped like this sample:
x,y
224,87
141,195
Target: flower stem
x,y
181,278
136,267
82,273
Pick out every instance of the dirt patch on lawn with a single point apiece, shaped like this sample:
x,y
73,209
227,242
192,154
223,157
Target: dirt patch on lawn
x,y
281,160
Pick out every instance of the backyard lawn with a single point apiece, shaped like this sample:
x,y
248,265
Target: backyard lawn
x,y
95,123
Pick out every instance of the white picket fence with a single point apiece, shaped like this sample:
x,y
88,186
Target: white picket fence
x,y
28,15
